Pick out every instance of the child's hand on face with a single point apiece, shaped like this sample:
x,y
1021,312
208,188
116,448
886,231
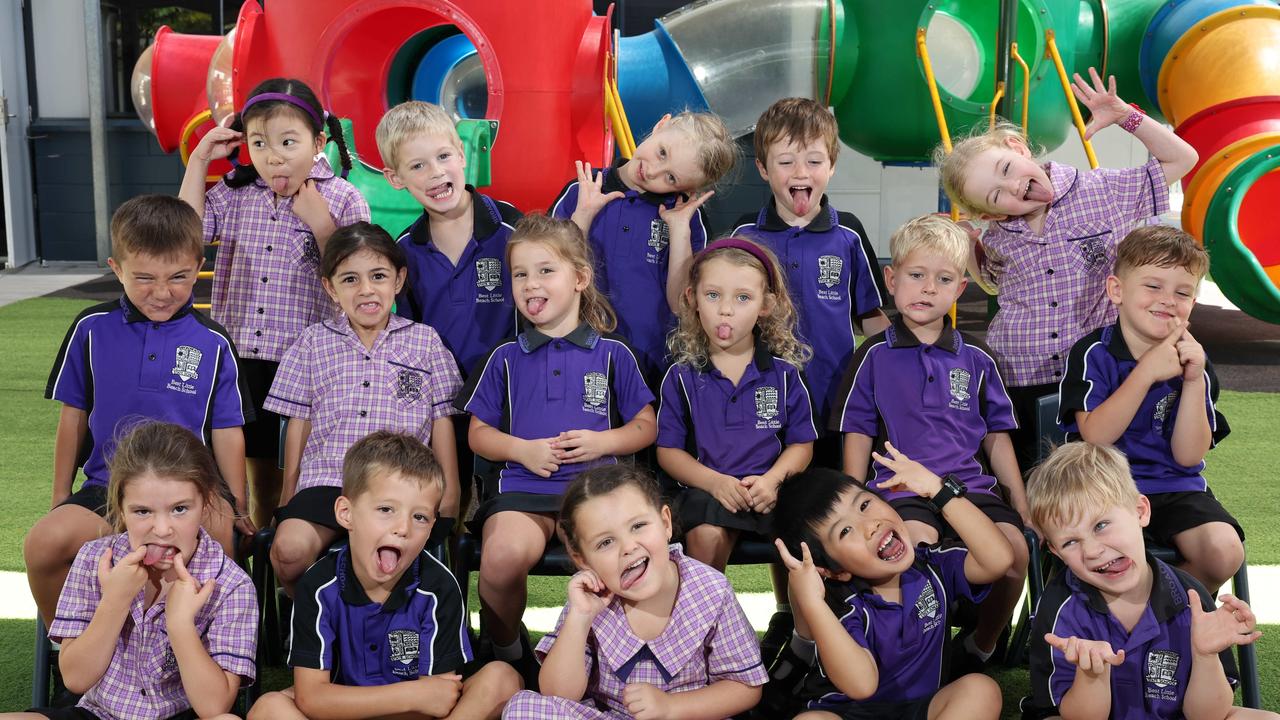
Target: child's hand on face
x,y
439,694
681,214
311,207
186,596
805,578
576,446
1191,355
1105,107
123,581
218,143
763,491
588,595
1092,656
645,702
730,492
590,194
539,456
1231,624
1162,361
907,474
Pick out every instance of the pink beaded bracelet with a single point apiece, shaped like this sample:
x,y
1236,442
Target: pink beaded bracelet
x,y
1132,122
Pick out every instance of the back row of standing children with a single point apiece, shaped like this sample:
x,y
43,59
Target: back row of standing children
x,y
547,390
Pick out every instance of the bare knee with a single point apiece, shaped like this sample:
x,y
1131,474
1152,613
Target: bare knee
x,y
1021,555
496,680
972,696
292,553
273,705
707,542
55,540
1213,552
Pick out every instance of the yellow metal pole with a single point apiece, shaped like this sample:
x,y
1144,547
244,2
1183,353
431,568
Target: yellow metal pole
x,y
1071,100
1026,83
922,50
619,132
995,101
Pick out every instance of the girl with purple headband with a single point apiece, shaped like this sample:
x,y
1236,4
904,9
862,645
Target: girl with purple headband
x,y
272,217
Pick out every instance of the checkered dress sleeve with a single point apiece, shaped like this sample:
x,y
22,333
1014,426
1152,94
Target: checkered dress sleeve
x,y
81,592
732,650
801,427
444,379
630,391
673,413
232,637
1137,192
348,205
293,389
588,653
857,411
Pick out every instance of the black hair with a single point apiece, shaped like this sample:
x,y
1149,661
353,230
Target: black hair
x,y
244,173
351,239
804,501
602,480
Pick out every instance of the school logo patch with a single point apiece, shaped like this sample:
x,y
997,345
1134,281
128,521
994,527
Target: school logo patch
x,y
310,250
1162,668
595,390
829,268
927,607
959,382
409,385
767,408
187,363
1094,252
488,273
170,663
1164,408
403,645
659,235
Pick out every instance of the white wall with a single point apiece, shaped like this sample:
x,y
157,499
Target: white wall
x,y
62,84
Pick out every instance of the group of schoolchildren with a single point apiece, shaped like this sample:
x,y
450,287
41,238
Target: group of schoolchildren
x,y
618,380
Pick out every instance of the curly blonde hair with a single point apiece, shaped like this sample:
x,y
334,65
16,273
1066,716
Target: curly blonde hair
x,y
953,167
688,341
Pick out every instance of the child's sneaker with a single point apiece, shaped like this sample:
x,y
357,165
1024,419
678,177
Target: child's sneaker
x,y
780,697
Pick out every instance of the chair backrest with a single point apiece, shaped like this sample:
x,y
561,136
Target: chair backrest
x,y
1048,433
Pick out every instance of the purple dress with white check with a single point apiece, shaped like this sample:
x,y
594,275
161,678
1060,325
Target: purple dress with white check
x,y
142,680
707,639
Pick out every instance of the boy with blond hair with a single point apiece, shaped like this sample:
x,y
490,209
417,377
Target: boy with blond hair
x,y
1121,634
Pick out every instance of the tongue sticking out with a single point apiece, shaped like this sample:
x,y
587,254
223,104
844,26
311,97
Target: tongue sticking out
x,y
801,200
631,576
1038,193
156,553
387,559
535,305
893,550
723,332
279,184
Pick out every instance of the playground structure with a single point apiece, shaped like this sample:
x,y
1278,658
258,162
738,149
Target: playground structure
x,y
900,76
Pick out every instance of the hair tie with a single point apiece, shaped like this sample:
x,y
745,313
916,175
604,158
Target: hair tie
x,y
750,248
282,97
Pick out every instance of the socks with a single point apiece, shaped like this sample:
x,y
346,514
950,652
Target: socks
x,y
971,647
508,652
804,649
783,608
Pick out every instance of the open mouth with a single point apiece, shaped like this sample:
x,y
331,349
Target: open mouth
x,y
1114,568
368,307
280,184
724,331
440,193
634,573
891,547
159,553
801,198
1035,192
534,305
388,559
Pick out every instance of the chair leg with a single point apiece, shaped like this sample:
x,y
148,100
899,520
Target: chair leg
x,y
1246,655
264,580
42,667
1017,651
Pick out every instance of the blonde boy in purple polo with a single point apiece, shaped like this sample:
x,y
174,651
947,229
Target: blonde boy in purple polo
x,y
1120,634
937,394
831,268
1145,386
879,620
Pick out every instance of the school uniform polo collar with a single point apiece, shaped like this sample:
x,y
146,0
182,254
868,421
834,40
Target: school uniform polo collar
x,y
1113,336
205,564
353,592
613,182
771,221
583,336
761,357
133,315
900,336
679,643
320,170
909,579
342,326
1168,597
1063,178
485,221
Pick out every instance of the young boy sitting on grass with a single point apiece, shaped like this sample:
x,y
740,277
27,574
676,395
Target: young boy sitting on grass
x,y
1120,634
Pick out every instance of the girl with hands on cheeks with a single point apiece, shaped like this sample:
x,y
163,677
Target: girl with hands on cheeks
x,y
647,632
192,615
563,395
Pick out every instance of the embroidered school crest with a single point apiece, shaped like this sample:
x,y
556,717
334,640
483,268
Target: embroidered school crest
x,y
659,235
187,363
959,382
927,603
170,663
829,267
1162,668
310,249
403,645
1164,407
595,388
488,273
766,402
409,385
1094,252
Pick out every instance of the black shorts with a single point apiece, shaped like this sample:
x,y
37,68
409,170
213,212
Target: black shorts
x,y
92,498
79,713
315,505
262,436
694,507
1176,512
903,710
919,509
518,501
828,450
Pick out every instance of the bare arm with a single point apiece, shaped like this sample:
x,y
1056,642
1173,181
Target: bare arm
x,y
688,471
679,219
218,143
228,452
83,660
320,699
1089,697
295,439
1175,155
1004,464
446,452
73,425
857,455
210,689
564,673
1209,695
720,699
1106,423
1192,435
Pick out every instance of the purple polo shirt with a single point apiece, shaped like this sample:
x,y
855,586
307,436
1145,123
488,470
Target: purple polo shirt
x,y
1098,364
404,383
1152,681
906,639
266,284
744,427
534,386
142,681
469,304
120,368
833,277
629,241
420,630
1052,284
935,403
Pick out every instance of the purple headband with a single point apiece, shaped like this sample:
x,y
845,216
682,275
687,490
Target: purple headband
x,y
282,97
750,248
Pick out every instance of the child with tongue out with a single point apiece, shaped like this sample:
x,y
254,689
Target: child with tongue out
x,y
272,217
1051,237
872,607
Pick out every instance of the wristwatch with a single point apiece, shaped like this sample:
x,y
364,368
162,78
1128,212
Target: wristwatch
x,y
951,488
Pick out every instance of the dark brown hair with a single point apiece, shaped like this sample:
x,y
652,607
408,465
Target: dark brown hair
x,y
796,120
1162,246
351,239
161,226
389,452
602,480
565,239
167,451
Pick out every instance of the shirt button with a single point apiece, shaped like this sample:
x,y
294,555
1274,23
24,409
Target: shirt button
x,y
927,348
626,228
1055,357
268,248
366,357
365,383
795,264
1053,335
555,372
143,691
261,310
152,356
733,399
1053,304
373,647
264,278
1049,271
255,350
930,378
364,413
257,333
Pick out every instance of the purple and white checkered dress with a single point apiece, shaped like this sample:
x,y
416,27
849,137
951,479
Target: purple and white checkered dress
x,y
708,639
1052,284
142,681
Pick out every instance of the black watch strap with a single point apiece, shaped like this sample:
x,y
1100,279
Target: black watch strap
x,y
951,488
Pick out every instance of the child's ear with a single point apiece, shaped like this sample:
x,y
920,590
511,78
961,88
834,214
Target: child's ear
x,y
764,174
889,278
963,284
1144,511
321,139
342,511
1115,290
115,268
666,521
401,275
1017,145
661,121
327,284
837,575
393,178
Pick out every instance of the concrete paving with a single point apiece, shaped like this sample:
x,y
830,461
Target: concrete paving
x,y
35,280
